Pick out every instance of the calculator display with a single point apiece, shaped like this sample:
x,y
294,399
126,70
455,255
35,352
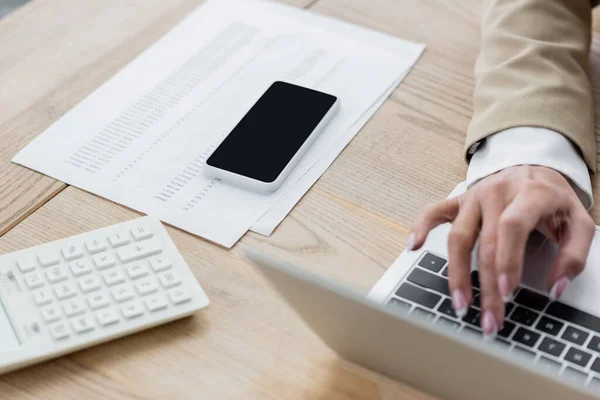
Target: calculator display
x,y
8,337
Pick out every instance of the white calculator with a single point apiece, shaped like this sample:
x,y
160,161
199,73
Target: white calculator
x,y
87,289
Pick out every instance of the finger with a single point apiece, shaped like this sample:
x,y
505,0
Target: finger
x,y
575,242
430,217
461,240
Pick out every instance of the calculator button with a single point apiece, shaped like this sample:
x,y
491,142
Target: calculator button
x,y
113,277
65,290
105,260
138,250
73,307
159,264
72,252
95,246
137,270
81,267
118,240
89,284
57,274
122,293
82,324
42,297
156,303
98,300
50,313
169,279
26,265
34,280
107,317
146,286
141,233
179,296
132,311
59,331
48,259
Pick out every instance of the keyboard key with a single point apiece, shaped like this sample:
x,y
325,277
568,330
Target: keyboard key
x,y
546,364
524,316
419,312
578,357
575,335
48,259
80,267
42,297
118,240
104,260
549,326
113,277
98,301
422,278
59,331
468,331
122,293
508,307
531,299
446,308
594,385
34,280
136,251
89,284
146,286
575,376
72,252
169,279
418,295
473,317
132,311
526,337
432,262
448,323
141,233
137,270
156,303
594,344
73,307
509,327
107,317
573,315
27,265
179,296
552,347
95,246
57,274
65,290
475,279
50,313
397,305
522,353
445,272
82,324
501,343
159,264
596,365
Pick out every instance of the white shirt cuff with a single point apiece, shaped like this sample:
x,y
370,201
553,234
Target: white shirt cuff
x,y
532,146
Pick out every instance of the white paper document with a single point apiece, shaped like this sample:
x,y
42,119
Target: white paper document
x,y
142,137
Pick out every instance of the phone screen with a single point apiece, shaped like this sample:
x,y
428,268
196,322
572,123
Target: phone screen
x,y
270,134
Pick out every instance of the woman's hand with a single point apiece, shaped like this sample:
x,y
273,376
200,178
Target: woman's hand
x,y
502,210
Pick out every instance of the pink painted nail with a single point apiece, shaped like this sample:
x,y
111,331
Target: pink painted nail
x,y
504,288
410,241
559,287
489,325
459,303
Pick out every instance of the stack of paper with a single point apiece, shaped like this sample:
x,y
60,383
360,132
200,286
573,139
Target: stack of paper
x,y
142,137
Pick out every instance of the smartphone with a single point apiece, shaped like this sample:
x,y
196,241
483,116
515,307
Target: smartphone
x,y
263,148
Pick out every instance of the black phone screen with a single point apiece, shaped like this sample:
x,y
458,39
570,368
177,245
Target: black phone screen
x,y
270,134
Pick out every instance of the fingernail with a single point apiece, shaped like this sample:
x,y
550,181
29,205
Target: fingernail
x,y
410,241
504,288
489,325
558,288
459,303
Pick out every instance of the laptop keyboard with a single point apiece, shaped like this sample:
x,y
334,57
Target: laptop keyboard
x,y
552,335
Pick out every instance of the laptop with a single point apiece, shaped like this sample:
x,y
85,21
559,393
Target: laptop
x,y
405,327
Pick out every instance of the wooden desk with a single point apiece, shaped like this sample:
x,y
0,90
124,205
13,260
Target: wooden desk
x,y
350,226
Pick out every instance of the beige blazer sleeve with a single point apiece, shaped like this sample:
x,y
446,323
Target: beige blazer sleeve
x,y
532,71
